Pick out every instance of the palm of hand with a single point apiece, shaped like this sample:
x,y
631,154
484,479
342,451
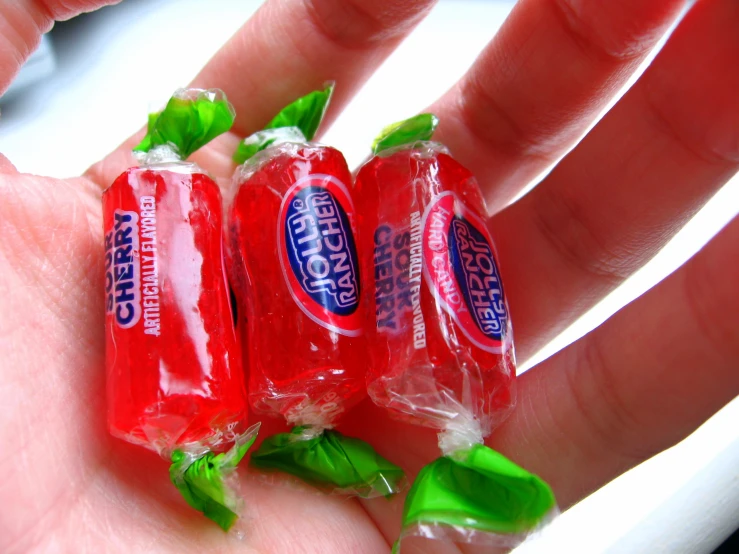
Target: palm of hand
x,y
69,481
584,416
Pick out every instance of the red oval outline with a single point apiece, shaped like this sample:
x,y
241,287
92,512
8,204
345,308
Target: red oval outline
x,y
450,201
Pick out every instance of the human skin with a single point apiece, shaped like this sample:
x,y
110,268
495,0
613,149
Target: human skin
x,y
636,385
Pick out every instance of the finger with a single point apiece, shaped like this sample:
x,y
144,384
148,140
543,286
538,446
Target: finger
x,y
638,384
287,49
22,24
6,166
634,181
292,47
541,81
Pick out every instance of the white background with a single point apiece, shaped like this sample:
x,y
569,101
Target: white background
x,y
685,500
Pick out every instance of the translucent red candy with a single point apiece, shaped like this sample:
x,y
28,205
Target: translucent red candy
x,y
174,368
440,336
296,277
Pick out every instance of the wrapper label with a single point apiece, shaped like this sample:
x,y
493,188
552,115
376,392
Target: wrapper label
x,y
398,265
122,271
150,266
461,270
318,252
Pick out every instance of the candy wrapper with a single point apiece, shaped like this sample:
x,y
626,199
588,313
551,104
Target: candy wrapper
x,y
440,339
294,266
175,383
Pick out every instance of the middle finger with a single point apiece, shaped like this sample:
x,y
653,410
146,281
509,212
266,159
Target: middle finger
x,y
541,81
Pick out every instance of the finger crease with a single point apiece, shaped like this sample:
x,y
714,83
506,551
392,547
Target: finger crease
x,y
47,13
606,415
345,36
685,141
559,222
483,115
698,287
575,28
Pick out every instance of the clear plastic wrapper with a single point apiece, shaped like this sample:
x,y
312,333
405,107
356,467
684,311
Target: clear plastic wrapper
x,y
440,337
175,382
293,262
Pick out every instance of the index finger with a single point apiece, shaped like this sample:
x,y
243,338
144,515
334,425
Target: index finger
x,y
287,49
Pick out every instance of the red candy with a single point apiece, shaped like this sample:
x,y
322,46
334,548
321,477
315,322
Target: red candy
x,y
174,368
295,273
440,337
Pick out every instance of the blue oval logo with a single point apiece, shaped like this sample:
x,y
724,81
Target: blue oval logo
x,y
474,266
321,253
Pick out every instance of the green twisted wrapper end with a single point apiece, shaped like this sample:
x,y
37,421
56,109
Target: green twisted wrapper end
x,y
481,490
408,131
191,119
296,122
203,480
330,460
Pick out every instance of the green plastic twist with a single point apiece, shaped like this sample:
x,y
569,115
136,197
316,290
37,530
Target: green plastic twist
x,y
330,460
296,122
202,480
408,131
191,119
478,489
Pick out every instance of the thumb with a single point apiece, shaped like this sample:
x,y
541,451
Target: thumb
x,y
6,166
22,24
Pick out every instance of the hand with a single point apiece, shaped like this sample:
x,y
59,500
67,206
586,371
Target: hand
x,y
636,385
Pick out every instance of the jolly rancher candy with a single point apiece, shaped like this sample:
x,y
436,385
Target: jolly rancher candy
x,y
294,266
175,383
440,337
